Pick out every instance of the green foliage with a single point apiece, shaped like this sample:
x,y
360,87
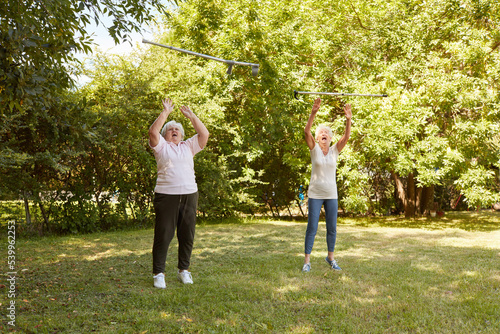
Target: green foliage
x,y
40,38
45,129
256,149
438,61
260,132
217,197
474,184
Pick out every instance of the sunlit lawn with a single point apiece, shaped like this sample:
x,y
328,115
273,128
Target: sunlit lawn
x,y
437,275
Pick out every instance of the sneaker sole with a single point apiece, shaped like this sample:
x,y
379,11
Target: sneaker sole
x,y
180,280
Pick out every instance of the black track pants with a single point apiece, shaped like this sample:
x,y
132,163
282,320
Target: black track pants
x,y
174,212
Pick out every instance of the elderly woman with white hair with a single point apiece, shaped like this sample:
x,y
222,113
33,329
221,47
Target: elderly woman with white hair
x,y
323,185
176,191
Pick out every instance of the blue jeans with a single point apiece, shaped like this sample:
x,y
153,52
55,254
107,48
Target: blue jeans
x,y
331,208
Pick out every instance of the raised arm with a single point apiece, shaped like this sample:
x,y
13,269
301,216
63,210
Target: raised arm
x,y
154,129
343,140
198,126
307,130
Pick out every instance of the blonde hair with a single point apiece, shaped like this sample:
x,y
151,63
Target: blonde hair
x,y
323,127
172,124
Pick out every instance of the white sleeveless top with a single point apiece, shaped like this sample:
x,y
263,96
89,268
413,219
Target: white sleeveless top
x,y
323,184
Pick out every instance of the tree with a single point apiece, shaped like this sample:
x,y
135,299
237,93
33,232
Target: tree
x,y
39,39
440,80
441,114
438,62
261,130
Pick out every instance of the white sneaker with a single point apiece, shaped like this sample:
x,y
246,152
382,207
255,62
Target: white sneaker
x,y
185,277
159,281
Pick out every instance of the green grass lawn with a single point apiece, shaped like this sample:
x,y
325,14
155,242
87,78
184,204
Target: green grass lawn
x,y
399,276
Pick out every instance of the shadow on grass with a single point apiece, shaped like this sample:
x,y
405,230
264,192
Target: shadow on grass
x,y
481,221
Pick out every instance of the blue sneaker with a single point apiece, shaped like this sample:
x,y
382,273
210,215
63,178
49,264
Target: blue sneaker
x,y
306,268
333,264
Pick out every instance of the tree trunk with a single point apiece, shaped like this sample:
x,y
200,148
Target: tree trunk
x,y
419,199
300,207
133,210
277,209
400,189
45,217
27,208
426,201
270,207
410,189
429,204
407,196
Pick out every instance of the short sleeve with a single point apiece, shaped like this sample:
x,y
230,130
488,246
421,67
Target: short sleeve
x,y
159,146
193,144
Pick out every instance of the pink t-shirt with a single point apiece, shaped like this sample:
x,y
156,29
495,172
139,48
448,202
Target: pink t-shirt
x,y
175,166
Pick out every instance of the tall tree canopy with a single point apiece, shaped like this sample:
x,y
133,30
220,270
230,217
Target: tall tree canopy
x,y
39,39
438,61
439,128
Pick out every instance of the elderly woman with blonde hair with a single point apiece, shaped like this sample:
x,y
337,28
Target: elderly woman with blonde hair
x,y
323,185
176,191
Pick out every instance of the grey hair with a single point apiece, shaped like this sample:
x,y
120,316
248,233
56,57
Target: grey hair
x,y
323,126
172,124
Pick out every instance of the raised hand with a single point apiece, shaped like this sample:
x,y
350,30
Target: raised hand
x,y
316,105
198,125
168,106
187,112
348,111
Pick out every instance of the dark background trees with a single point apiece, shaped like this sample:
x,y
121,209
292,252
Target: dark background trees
x,y
44,127
435,135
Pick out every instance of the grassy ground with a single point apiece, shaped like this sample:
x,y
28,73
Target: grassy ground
x,y
399,276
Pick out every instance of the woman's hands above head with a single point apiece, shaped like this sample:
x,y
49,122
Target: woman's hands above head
x,y
186,111
198,125
154,129
347,111
168,106
316,105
